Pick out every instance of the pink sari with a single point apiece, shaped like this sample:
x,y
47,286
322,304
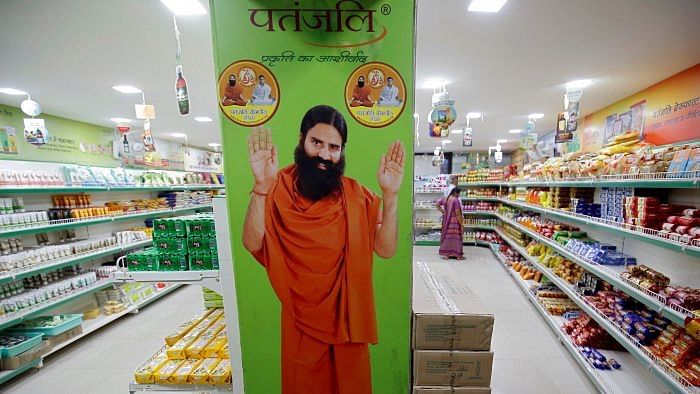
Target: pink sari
x,y
452,231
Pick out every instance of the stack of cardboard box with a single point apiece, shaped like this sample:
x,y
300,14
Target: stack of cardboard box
x,y
451,337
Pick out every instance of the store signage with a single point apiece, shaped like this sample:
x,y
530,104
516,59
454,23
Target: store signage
x,y
199,160
8,140
145,111
35,131
562,134
528,140
467,141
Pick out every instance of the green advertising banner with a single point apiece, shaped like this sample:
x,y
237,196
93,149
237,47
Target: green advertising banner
x,y
310,90
83,143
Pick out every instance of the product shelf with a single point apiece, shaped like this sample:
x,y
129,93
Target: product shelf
x,y
678,180
72,223
480,198
70,260
90,326
101,188
180,388
644,234
485,213
632,377
651,300
28,313
208,278
7,375
671,379
426,243
480,184
477,227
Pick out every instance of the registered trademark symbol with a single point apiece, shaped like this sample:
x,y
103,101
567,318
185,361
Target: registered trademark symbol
x,y
386,9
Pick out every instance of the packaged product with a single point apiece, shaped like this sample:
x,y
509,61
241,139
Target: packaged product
x,y
144,373
184,328
214,346
162,375
224,352
200,375
222,373
182,375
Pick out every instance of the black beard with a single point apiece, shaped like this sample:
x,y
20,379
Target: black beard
x,y
313,182
232,83
361,84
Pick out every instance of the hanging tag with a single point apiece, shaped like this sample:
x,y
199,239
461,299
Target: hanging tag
x,y
35,131
148,144
145,111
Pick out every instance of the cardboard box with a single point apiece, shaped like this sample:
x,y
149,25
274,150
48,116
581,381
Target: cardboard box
x,y
435,331
23,358
450,390
62,337
452,368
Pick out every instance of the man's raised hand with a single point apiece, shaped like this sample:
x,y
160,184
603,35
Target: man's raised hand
x,y
262,155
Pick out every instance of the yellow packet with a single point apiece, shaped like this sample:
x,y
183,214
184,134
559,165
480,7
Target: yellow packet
x,y
200,375
223,353
163,373
144,373
196,349
222,373
215,345
184,328
183,373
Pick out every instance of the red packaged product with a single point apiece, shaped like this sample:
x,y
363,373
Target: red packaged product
x,y
682,229
687,221
692,212
672,219
669,226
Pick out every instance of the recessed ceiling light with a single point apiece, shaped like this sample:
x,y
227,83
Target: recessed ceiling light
x,y
486,5
457,131
514,131
184,7
474,115
126,89
203,119
433,83
120,120
214,144
501,141
535,116
444,142
178,135
579,84
13,92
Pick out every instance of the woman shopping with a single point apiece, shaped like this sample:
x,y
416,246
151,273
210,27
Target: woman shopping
x,y
452,225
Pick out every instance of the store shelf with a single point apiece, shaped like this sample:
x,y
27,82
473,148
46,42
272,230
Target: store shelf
x,y
72,223
180,388
209,278
426,243
640,233
480,198
477,227
7,375
479,184
631,377
36,310
683,180
90,326
485,213
651,300
648,361
16,274
431,192
105,188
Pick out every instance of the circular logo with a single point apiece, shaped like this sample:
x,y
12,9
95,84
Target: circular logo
x,y
375,94
249,93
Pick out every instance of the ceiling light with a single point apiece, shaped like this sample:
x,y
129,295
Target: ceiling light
x,y
178,135
433,83
214,144
579,84
457,131
501,141
120,120
126,89
535,116
474,115
514,131
11,91
203,119
486,5
444,142
184,7
415,115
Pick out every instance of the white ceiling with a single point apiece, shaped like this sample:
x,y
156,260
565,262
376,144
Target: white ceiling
x,y
516,62
68,54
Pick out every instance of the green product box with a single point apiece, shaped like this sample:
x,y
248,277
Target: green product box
x,y
203,261
169,227
200,226
170,245
172,262
201,245
141,261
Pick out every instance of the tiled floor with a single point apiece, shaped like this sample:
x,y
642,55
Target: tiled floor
x,y
104,362
527,356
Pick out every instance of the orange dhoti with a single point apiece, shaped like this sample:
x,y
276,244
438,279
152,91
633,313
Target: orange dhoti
x,y
313,367
318,256
361,97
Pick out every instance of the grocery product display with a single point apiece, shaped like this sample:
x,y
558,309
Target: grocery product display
x,y
195,353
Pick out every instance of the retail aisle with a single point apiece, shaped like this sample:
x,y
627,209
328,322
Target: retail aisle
x,y
527,356
104,362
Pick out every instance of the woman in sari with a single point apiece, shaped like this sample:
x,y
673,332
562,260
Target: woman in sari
x,y
452,222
